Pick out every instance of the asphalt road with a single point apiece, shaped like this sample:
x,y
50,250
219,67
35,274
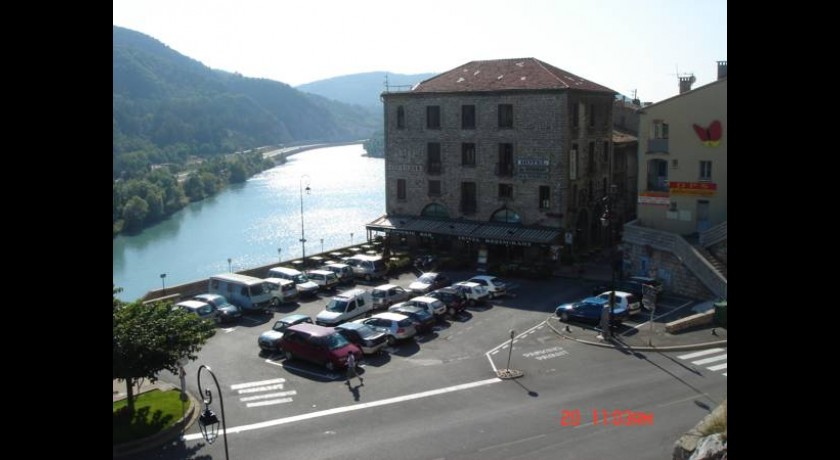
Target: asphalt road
x,y
438,397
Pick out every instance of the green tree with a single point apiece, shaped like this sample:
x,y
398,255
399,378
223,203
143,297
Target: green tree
x,y
238,172
194,187
211,183
134,213
152,338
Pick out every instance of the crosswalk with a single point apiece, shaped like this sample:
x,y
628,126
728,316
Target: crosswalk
x,y
712,356
263,392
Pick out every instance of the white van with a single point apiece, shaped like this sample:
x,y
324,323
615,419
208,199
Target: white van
x,y
201,309
344,307
367,267
246,292
281,290
302,283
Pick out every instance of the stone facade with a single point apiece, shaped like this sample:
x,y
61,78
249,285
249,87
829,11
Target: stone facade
x,y
557,172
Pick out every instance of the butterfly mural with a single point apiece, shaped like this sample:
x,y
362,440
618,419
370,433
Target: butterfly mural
x,y
709,136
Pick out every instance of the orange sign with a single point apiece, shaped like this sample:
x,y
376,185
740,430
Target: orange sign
x,y
692,188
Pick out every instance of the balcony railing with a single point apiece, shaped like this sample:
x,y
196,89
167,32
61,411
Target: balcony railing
x,y
434,168
657,146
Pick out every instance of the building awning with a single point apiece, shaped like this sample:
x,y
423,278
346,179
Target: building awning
x,y
477,232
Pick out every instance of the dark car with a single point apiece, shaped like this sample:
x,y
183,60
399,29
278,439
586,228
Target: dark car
x,y
589,310
227,311
318,344
453,298
368,339
423,320
270,340
429,282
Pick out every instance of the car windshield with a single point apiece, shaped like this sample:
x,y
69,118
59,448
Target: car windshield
x,y
300,279
280,326
257,289
366,331
335,341
427,278
498,282
378,294
337,305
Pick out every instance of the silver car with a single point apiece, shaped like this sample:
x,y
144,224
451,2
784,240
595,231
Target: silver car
x,y
397,326
388,294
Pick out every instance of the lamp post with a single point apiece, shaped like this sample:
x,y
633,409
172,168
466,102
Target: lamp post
x,y
606,222
163,282
280,255
322,245
302,236
208,422
230,269
351,238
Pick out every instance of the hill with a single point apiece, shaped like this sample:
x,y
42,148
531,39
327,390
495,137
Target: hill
x,y
362,88
169,106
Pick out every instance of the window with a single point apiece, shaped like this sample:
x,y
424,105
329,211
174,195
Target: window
x,y
657,176
606,152
400,117
591,157
505,191
401,189
575,114
434,188
433,117
433,165
705,170
504,167
505,116
660,130
545,197
591,115
468,154
506,215
435,210
467,117
468,197
658,141
573,162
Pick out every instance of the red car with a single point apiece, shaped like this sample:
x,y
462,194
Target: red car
x,y
318,344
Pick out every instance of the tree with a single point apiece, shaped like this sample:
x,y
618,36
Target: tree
x,y
134,213
152,338
194,187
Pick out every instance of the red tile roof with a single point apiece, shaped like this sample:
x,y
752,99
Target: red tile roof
x,y
505,75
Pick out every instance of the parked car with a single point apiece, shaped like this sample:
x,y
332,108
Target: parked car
x,y
475,293
395,325
344,307
454,300
388,294
589,310
636,285
430,304
281,290
227,311
201,309
325,279
495,286
270,340
423,320
368,339
318,344
304,286
428,282
625,300
343,271
367,267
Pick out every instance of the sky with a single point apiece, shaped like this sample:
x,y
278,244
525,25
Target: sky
x,y
624,45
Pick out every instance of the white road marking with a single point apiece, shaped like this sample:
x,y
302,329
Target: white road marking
x,y
228,330
701,353
278,386
502,346
269,403
512,442
700,362
339,410
256,384
717,367
269,396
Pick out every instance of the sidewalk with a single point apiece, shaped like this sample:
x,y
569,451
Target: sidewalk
x,y
119,388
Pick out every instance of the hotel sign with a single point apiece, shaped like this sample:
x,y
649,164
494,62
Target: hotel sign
x,y
654,198
405,168
532,168
692,188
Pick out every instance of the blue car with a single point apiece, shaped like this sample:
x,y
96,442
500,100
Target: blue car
x,y
589,310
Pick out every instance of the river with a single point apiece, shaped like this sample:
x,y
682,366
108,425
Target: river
x,y
248,222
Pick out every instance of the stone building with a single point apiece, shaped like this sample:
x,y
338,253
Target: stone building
x,y
507,159
680,233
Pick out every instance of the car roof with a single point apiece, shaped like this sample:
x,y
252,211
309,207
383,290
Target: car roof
x,y
350,326
293,318
321,272
192,304
467,283
312,329
617,293
279,281
425,298
390,315
211,297
385,287
484,277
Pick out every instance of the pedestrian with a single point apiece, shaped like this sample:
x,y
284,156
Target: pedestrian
x,y
351,369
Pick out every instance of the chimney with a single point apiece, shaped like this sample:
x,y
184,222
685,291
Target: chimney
x,y
686,82
721,69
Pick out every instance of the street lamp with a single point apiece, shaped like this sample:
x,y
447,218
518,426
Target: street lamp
x,y
230,269
302,237
208,422
607,221
351,238
280,254
322,245
162,282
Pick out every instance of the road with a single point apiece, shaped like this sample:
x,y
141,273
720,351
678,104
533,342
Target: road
x,y
439,397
